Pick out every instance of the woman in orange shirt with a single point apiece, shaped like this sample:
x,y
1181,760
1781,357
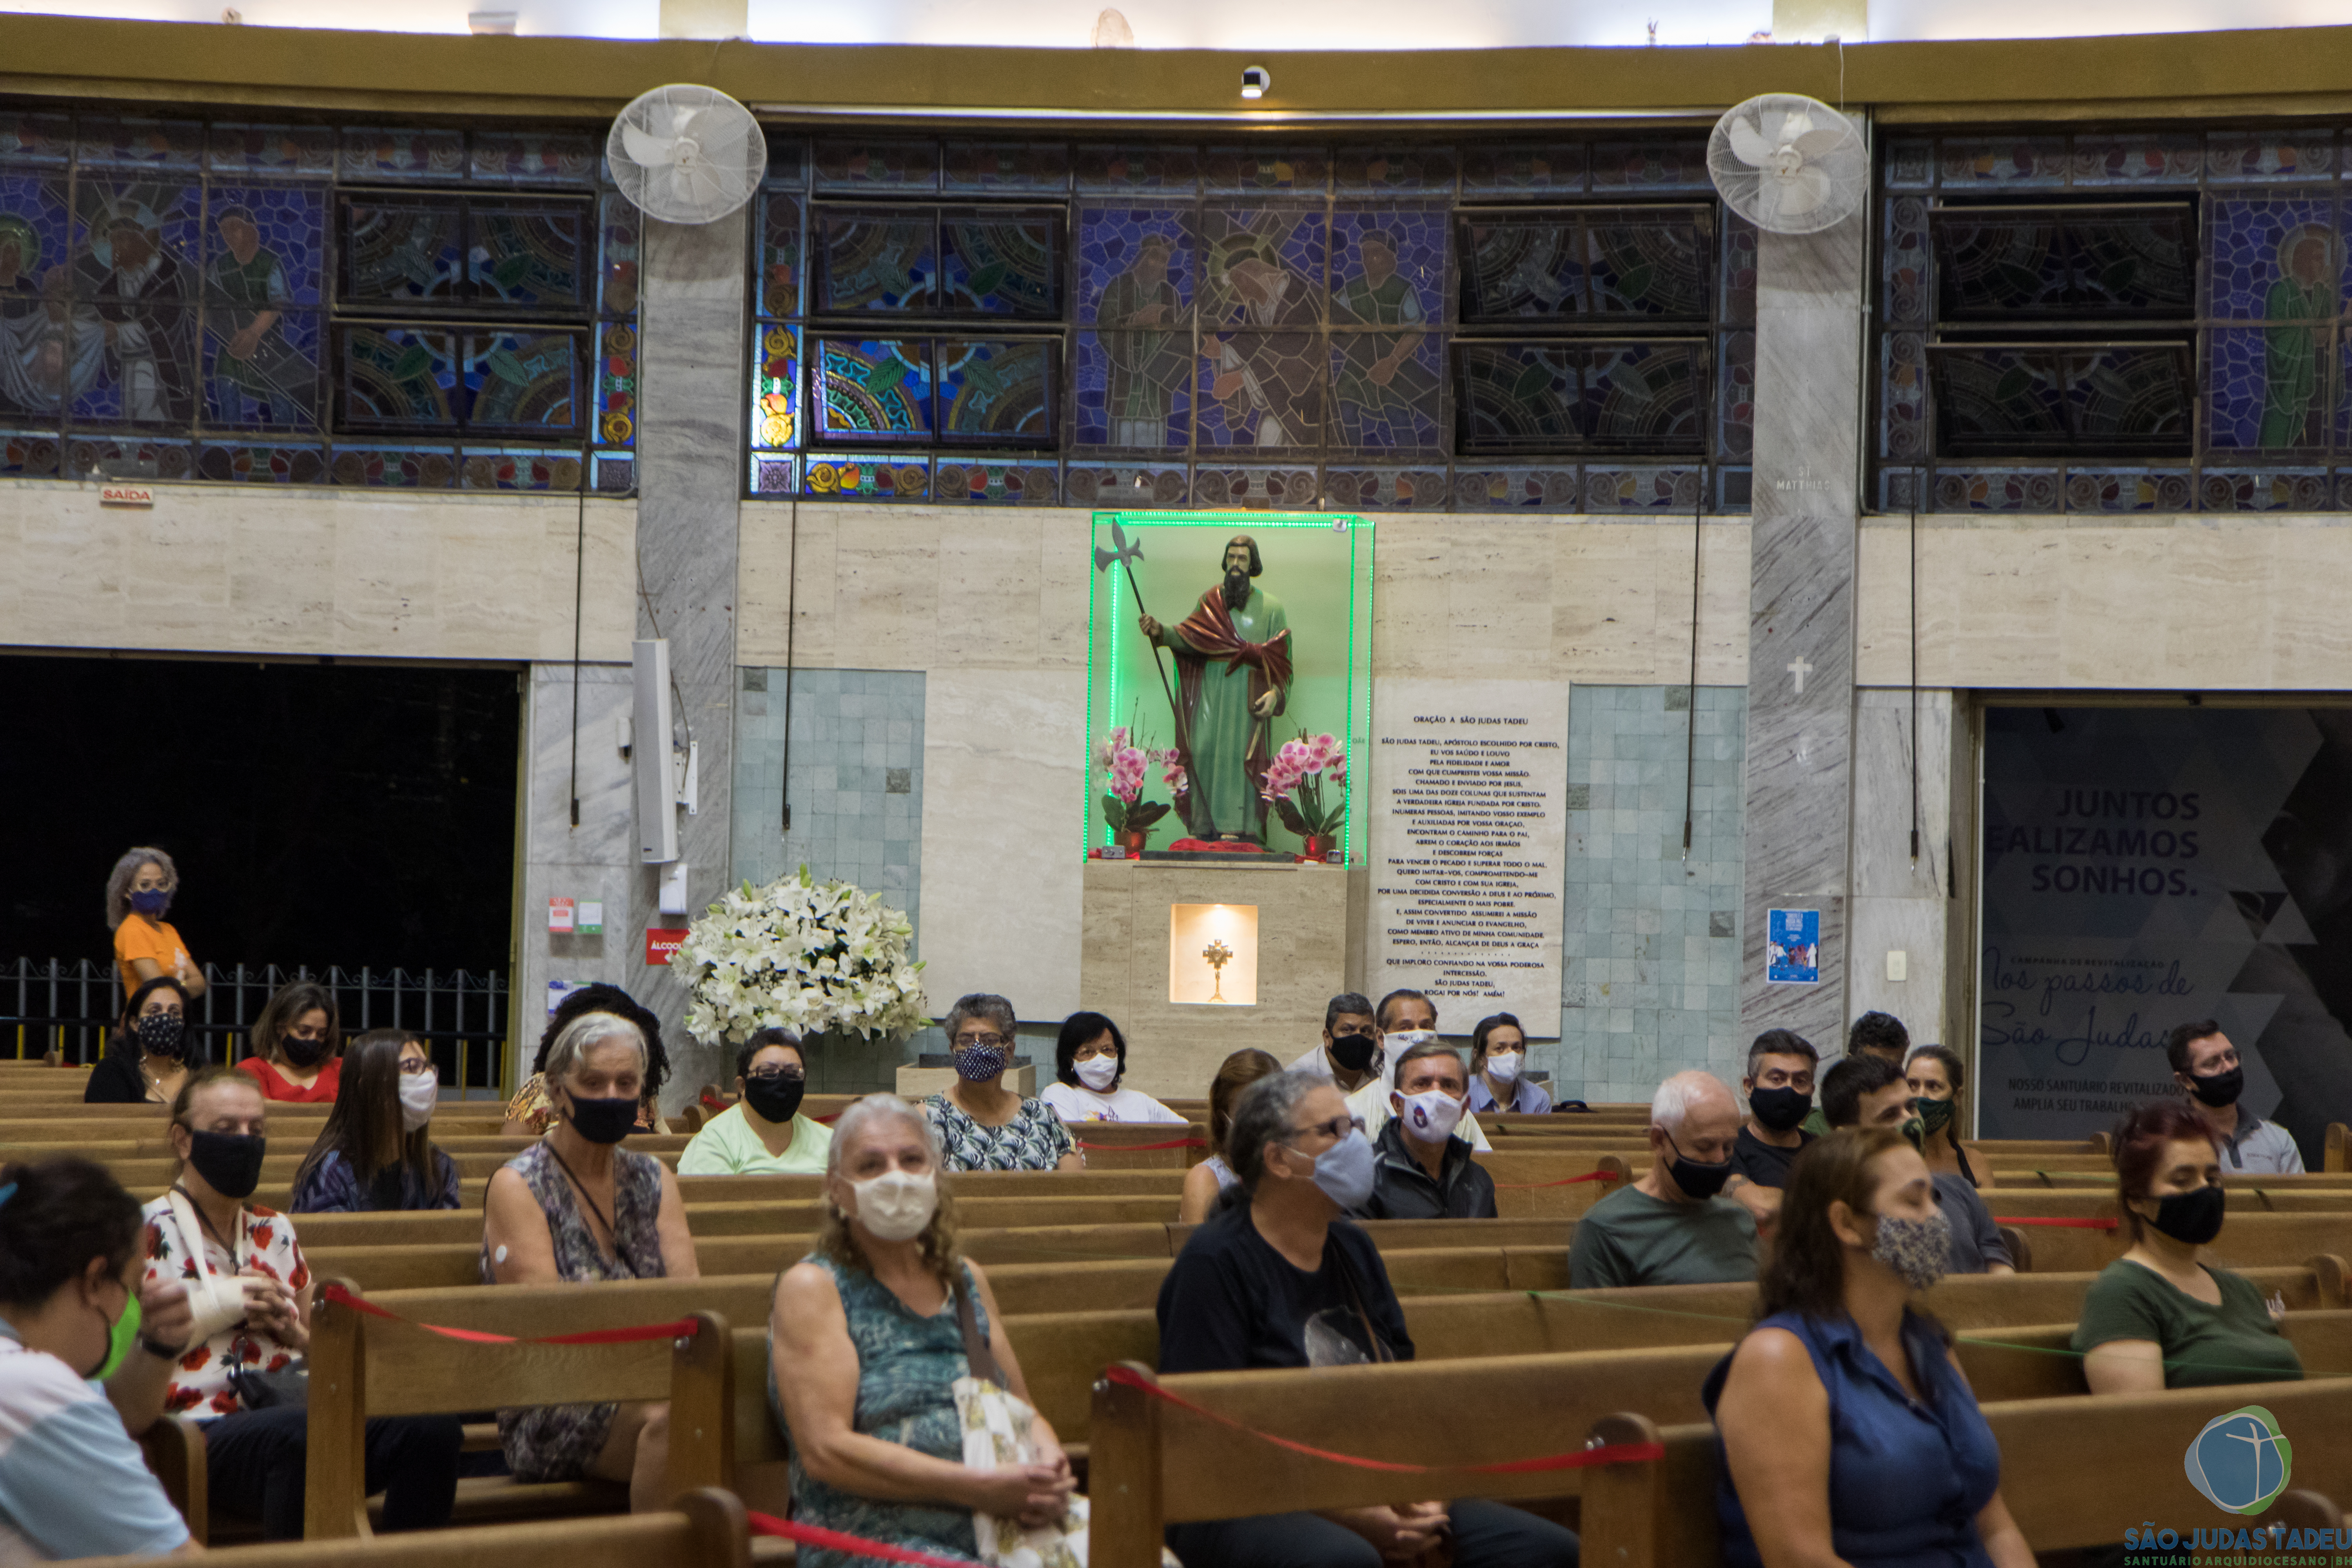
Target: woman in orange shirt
x,y
298,1047
145,946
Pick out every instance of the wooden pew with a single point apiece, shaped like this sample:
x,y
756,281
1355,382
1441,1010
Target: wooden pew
x,y
363,1367
702,1530
1659,1514
2246,1239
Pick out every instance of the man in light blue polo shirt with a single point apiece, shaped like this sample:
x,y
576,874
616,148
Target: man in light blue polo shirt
x,y
764,1135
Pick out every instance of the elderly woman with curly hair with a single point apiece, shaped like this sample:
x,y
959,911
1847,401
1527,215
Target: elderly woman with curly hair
x,y
866,1339
146,946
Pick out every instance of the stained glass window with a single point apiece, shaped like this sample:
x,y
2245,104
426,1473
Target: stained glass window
x,y
1263,323
2024,263
235,301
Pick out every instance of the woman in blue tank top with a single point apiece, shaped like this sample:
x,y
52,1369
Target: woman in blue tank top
x,y
1846,1428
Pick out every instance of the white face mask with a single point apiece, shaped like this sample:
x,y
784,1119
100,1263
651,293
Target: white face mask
x,y
1504,1066
896,1205
1396,1042
419,1093
1429,1117
1099,1073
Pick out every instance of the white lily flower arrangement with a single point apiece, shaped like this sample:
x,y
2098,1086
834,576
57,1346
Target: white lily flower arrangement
x,y
813,957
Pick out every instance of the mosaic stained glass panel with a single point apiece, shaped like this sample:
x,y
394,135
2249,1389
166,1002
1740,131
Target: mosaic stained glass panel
x,y
1002,262
775,385
872,389
875,258
1586,396
264,245
1135,265
2114,399
781,273
400,249
2013,264
1133,390
529,256
261,368
524,381
1386,391
1628,262
998,392
1266,390
1388,266
1263,266
398,378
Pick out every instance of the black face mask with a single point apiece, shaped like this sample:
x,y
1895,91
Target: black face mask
x,y
2194,1217
1697,1178
2221,1088
603,1121
230,1163
1354,1052
775,1096
1935,1115
1780,1108
303,1053
162,1035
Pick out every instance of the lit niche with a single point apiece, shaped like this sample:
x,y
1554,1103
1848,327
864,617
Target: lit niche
x,y
1213,955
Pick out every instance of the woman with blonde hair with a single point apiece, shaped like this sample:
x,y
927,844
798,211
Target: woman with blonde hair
x,y
866,1339
146,947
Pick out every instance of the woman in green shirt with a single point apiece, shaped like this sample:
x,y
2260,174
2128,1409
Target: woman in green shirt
x,y
2155,1317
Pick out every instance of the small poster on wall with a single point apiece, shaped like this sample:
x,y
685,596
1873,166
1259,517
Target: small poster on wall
x,y
1792,947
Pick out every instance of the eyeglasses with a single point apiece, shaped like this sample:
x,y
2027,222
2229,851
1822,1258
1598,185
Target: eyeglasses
x,y
980,1042
1339,1127
778,1076
417,1066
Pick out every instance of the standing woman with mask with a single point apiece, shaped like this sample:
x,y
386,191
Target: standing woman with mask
x,y
1279,1277
138,895
251,1290
297,1046
149,1060
866,1339
71,1481
982,1125
1499,1054
1090,1063
1848,1432
2155,1317
376,1150
574,1208
1937,1078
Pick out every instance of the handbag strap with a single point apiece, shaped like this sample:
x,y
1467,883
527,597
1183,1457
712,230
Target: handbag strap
x,y
1379,1347
976,1353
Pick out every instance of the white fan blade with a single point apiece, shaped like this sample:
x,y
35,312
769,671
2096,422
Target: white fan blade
x,y
1802,190
1813,144
1798,122
1749,144
648,148
674,117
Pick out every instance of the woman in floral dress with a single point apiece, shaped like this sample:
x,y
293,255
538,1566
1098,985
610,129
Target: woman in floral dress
x,y
980,1125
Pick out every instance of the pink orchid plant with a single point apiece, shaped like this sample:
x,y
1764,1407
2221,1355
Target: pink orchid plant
x,y
1295,782
1122,765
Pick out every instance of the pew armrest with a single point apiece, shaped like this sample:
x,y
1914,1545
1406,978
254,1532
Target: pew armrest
x,y
174,1450
2021,1249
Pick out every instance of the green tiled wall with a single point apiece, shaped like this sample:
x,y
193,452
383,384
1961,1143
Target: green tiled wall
x,y
1650,966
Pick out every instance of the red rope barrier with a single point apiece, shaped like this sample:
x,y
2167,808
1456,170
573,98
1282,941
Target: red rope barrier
x,y
1609,1454
856,1545
2062,1222
1563,1182
682,1329
1172,1143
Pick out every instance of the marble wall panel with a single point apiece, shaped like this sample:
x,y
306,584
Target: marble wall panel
x,y
359,575
594,861
1302,960
690,370
1801,614
2167,603
925,587
1004,788
1900,903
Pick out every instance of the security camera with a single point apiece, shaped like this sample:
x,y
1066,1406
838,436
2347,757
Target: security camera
x,y
1255,81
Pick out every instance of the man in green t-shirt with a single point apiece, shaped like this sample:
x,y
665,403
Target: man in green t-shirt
x,y
1669,1227
245,288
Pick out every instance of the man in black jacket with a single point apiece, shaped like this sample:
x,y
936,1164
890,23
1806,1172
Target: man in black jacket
x,y
1423,1171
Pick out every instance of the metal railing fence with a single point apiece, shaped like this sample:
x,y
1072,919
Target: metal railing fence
x,y
70,1007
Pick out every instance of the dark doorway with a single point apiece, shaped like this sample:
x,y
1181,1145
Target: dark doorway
x,y
321,815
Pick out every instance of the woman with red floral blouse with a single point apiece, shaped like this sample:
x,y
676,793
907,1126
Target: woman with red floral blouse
x,y
251,1288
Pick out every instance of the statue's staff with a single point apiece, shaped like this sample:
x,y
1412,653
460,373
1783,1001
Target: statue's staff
x,y
1131,553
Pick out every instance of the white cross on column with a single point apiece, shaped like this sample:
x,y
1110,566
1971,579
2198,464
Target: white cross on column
x,y
1800,668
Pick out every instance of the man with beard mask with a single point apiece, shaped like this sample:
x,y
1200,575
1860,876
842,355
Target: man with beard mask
x,y
2206,1063
1237,627
1779,1091
1669,1227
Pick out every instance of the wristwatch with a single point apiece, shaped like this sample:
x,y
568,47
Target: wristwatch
x,y
161,1352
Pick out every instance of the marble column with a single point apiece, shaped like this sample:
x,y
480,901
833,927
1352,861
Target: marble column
x,y
1809,377
1902,905
688,488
